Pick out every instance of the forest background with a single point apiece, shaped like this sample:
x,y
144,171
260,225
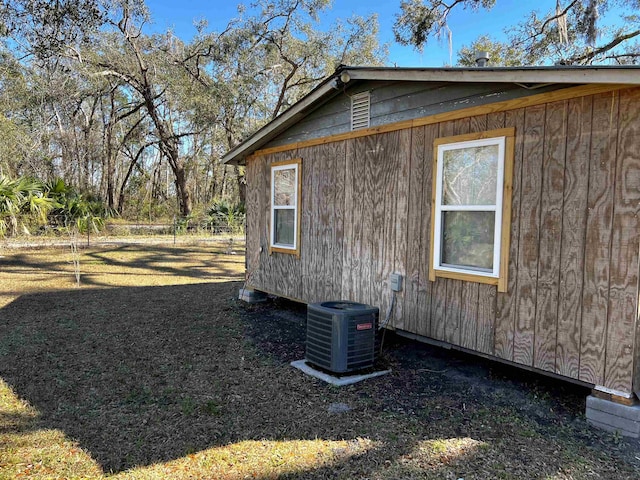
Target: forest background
x,y
102,116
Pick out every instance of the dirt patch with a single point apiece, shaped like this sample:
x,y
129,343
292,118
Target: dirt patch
x,y
453,394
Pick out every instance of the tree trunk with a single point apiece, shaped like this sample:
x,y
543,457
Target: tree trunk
x,y
110,155
180,174
111,198
169,146
242,185
223,182
134,162
182,191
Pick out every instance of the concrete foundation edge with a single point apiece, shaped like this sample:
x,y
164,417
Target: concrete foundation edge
x,y
304,367
251,296
613,417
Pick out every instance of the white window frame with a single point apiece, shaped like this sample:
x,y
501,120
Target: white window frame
x,y
280,247
497,275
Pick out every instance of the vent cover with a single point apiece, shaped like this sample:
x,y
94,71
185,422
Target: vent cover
x,y
341,336
360,110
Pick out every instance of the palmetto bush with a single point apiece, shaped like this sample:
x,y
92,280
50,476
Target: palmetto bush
x,y
23,204
27,203
74,210
225,216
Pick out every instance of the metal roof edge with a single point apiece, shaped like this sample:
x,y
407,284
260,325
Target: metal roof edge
x,y
629,74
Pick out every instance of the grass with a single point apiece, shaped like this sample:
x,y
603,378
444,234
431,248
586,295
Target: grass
x,y
26,271
151,369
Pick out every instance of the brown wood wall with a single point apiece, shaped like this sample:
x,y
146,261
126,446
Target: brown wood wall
x,y
572,301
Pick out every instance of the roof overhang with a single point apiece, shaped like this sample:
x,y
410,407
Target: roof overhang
x,y
523,75
528,77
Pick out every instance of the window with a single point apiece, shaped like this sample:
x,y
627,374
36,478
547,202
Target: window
x,y
360,110
285,207
472,207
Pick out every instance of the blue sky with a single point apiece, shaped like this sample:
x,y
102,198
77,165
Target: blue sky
x,y
465,24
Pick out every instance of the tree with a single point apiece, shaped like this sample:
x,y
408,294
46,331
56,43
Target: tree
x,y
46,29
116,112
500,53
573,33
261,65
12,153
419,21
138,62
19,146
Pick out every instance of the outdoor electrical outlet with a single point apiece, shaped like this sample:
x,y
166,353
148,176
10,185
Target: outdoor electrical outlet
x,y
395,280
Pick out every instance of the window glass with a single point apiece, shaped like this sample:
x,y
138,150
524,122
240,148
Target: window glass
x,y
468,239
470,175
284,226
285,187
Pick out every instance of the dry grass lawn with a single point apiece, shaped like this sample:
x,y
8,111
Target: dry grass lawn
x,y
151,369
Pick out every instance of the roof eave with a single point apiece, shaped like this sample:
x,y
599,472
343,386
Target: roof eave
x,y
526,75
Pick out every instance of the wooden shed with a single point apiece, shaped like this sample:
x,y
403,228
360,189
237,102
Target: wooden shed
x,y
507,198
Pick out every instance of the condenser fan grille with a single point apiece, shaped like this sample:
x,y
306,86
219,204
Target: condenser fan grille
x,y
341,336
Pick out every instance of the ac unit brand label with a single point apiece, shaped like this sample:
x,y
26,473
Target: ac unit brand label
x,y
364,326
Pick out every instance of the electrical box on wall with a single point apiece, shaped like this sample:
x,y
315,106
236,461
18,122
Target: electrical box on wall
x,y
395,282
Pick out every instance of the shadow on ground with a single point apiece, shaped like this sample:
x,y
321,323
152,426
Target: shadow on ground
x,y
146,375
132,373
135,260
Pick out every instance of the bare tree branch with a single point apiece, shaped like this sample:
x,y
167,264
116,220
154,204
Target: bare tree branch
x,y
587,57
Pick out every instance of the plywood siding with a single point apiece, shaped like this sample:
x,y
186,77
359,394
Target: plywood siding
x,y
597,243
623,280
574,222
553,169
571,307
506,312
413,236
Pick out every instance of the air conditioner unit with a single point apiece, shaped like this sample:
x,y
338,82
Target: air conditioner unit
x,y
341,336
